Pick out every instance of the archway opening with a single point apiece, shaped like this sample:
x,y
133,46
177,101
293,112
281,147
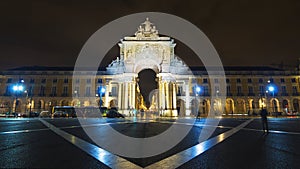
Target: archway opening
x,y
296,105
147,83
285,106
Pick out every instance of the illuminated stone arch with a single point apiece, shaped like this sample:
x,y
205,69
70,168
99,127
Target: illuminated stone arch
x,y
17,105
64,102
217,106
274,105
229,107
204,107
86,103
262,103
181,107
40,105
148,50
76,103
285,105
240,106
251,105
296,105
147,64
195,107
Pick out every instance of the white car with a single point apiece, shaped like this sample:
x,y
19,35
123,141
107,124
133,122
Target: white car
x,y
45,114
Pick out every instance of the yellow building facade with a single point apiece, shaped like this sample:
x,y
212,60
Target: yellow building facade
x,y
247,91
181,90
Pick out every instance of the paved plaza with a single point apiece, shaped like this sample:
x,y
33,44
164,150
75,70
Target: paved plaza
x,y
235,143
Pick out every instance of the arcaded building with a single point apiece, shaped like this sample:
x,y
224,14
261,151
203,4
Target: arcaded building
x,y
181,90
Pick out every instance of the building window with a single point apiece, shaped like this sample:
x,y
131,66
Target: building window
x,y
88,91
217,90
54,81
239,90
77,81
261,90
88,81
31,91
43,81
216,80
293,80
65,91
31,81
250,91
283,90
42,91
249,80
7,92
76,91
282,80
179,92
228,90
99,80
53,91
114,91
295,90
227,81
9,80
260,80
271,80
66,80
238,80
205,80
205,92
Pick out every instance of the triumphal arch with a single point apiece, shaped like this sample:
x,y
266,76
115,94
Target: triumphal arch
x,y
148,50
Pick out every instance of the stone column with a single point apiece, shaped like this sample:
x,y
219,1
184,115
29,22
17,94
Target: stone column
x,y
106,95
163,96
129,94
187,99
168,99
126,98
120,96
133,95
174,100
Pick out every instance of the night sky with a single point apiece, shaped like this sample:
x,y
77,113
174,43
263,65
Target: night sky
x,y
52,33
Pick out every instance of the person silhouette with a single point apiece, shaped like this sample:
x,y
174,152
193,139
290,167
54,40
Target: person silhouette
x,y
264,120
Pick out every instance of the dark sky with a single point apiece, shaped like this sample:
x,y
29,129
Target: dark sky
x,y
52,33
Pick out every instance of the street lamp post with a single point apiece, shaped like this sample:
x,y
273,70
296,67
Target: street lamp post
x,y
26,102
272,88
100,92
197,94
18,88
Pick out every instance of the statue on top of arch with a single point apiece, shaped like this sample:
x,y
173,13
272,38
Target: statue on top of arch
x,y
177,66
147,31
116,66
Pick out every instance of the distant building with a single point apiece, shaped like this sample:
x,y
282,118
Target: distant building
x,y
181,91
245,87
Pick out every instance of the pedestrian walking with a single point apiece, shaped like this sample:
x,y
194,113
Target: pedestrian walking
x,y
264,120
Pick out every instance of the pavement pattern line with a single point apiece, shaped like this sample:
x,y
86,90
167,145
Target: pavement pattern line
x,y
105,157
22,131
94,125
182,157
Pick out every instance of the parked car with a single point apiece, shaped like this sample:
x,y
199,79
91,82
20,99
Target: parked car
x,y
45,114
60,114
114,114
34,114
